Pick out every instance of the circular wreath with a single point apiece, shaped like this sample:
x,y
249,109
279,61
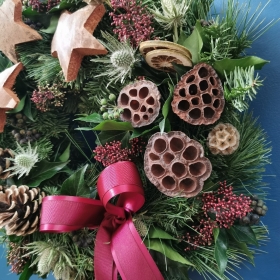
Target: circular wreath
x,y
126,136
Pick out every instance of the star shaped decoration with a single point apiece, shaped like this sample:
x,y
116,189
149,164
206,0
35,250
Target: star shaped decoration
x,y
8,99
13,30
73,38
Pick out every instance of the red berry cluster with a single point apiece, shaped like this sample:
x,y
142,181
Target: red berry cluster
x,y
41,6
221,209
113,152
225,205
133,23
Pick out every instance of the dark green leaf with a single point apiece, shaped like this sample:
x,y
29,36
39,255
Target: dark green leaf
x,y
155,232
75,184
29,12
27,109
194,44
168,251
27,272
227,65
243,234
109,136
181,69
244,248
138,132
65,155
19,106
94,118
165,109
4,63
52,26
63,5
221,245
114,125
42,171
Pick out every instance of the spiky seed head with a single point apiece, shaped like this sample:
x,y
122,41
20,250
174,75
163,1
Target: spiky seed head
x,y
122,59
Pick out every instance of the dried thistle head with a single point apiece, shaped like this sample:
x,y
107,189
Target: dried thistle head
x,y
24,160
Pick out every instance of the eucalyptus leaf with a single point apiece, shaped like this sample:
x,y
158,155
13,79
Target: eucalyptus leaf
x,y
220,251
114,125
93,118
194,44
243,234
42,171
227,65
19,107
52,26
168,251
27,272
27,109
75,184
155,232
65,155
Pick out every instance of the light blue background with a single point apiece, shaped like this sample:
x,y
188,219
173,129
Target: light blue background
x,y
267,107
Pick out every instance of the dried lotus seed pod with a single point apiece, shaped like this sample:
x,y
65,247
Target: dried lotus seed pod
x,y
140,103
198,97
175,164
223,139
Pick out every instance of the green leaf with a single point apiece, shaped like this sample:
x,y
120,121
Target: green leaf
x,y
138,132
221,245
244,234
227,65
94,118
109,136
182,38
244,248
75,184
168,251
27,109
42,171
27,272
52,26
166,108
29,12
155,232
4,63
19,106
65,155
63,5
194,44
114,125
84,128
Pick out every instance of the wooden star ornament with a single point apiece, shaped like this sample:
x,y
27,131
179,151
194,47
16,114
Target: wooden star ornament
x,y
73,38
13,30
8,99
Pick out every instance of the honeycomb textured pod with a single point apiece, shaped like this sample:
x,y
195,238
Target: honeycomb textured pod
x,y
198,97
223,139
175,164
20,209
140,103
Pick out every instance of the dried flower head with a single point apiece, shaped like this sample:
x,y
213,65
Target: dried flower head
x,y
134,24
24,160
121,60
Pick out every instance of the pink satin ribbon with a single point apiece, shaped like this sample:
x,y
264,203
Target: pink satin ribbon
x,y
118,246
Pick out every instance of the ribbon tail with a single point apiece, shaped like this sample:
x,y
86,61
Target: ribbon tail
x,y
131,255
104,266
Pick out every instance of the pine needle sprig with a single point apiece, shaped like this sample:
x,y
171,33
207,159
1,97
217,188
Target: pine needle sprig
x,y
241,86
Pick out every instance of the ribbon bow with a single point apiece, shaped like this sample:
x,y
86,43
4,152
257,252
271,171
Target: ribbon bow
x,y
118,246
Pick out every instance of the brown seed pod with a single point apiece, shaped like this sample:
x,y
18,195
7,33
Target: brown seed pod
x,y
223,139
175,164
198,97
140,103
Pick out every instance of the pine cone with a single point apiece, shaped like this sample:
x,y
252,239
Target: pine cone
x,y
5,163
20,209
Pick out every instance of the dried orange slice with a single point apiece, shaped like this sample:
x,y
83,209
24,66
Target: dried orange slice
x,y
147,46
163,59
